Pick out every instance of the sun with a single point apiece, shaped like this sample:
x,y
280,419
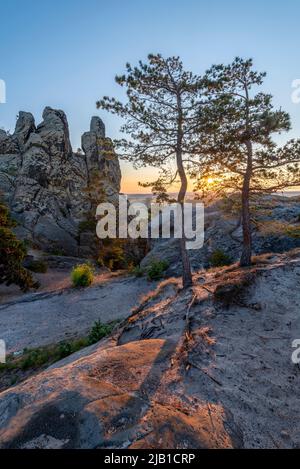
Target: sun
x,y
210,180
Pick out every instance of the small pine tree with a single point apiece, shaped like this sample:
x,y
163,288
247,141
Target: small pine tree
x,y
12,253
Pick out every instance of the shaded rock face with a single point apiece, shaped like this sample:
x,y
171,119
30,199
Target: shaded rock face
x,y
100,158
46,185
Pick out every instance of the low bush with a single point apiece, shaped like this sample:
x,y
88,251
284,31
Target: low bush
x,y
87,225
234,287
112,254
219,259
38,266
99,331
156,269
34,358
138,271
12,254
82,275
65,349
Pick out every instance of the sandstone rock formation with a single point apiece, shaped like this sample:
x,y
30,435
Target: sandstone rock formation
x,y
46,184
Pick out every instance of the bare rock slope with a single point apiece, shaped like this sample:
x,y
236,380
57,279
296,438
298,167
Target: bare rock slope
x,y
61,312
205,368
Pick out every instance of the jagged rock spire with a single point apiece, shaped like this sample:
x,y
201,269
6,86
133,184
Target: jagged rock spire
x,y
45,183
97,126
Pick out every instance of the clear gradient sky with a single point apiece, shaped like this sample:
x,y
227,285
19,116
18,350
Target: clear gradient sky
x,y
65,53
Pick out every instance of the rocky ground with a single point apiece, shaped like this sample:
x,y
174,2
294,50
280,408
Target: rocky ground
x,y
275,228
205,368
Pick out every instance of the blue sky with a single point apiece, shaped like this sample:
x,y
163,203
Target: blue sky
x,y
66,53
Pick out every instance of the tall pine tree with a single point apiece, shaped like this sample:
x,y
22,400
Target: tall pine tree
x,y
162,115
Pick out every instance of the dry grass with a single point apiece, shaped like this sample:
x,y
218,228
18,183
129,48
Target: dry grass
x,y
154,294
233,287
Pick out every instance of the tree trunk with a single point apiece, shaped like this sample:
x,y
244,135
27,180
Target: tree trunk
x,y
245,260
186,265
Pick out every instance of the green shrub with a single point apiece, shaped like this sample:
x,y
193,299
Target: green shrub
x,y
99,331
12,254
112,254
38,266
219,258
156,269
65,349
34,359
82,275
138,271
87,225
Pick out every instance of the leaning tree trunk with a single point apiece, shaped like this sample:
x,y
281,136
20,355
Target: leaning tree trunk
x,y
186,265
245,260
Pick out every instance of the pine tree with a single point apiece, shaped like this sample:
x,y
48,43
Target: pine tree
x,y
239,150
162,114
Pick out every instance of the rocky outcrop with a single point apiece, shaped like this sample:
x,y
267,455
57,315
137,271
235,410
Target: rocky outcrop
x,y
275,227
46,184
101,159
